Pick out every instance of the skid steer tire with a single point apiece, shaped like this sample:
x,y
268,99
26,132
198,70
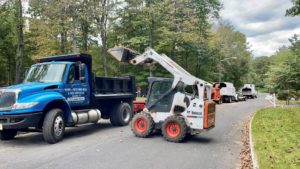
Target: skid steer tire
x,y
174,129
8,134
54,126
121,115
142,124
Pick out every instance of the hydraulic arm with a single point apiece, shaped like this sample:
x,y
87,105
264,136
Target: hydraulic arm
x,y
150,57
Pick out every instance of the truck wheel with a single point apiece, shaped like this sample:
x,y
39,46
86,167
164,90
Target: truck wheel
x,y
121,115
220,101
54,126
174,129
236,99
8,134
230,99
142,124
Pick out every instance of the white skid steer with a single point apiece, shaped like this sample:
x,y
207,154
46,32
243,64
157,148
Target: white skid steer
x,y
178,107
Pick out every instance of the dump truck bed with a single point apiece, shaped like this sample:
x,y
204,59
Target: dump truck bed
x,y
114,87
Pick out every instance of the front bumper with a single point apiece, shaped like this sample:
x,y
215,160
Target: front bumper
x,y
20,121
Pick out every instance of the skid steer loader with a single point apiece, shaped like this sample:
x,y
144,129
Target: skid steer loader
x,y
177,106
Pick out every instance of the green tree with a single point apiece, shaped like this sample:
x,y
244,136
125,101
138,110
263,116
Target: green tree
x,y
261,66
295,10
8,44
233,55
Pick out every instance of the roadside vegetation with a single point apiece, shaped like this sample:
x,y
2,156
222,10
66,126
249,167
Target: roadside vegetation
x,y
276,137
280,73
191,32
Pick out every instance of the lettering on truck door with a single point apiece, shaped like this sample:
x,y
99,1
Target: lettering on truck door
x,y
76,91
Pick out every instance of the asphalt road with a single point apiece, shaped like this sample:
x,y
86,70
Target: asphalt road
x,y
103,146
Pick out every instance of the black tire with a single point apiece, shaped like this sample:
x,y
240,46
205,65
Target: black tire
x,y
220,101
175,125
54,126
121,115
142,124
229,99
8,134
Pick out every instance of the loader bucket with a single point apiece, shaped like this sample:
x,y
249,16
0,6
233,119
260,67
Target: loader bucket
x,y
122,54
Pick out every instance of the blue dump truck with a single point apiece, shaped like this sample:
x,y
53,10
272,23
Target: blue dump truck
x,y
62,91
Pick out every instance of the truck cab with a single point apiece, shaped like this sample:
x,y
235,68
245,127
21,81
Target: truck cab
x,y
61,91
227,91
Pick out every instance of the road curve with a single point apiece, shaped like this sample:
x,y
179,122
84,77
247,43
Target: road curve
x,y
107,147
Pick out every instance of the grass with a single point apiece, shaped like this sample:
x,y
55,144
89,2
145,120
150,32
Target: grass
x,y
291,102
262,90
276,137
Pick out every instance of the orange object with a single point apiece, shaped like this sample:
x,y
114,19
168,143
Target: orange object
x,y
216,96
140,125
173,129
138,105
209,114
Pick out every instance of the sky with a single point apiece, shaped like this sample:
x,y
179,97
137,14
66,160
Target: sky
x,y
263,21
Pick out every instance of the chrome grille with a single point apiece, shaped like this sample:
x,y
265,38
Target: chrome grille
x,y
7,99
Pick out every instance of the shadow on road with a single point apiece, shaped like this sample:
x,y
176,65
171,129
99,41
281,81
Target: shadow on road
x,y
187,140
198,139
71,133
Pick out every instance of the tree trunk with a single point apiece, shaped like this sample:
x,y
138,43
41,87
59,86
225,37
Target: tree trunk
x,y
74,26
74,37
85,31
20,57
104,48
152,31
103,25
10,72
63,40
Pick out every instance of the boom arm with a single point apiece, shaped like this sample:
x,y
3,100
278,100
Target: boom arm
x,y
149,56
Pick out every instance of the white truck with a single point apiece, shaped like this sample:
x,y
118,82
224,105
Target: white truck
x,y
227,91
249,91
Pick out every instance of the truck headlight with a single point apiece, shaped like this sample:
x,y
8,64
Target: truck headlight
x,y
19,106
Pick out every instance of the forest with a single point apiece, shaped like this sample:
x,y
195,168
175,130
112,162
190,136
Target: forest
x,y
191,32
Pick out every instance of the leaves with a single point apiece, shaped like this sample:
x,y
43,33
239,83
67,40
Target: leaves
x,y
181,29
295,10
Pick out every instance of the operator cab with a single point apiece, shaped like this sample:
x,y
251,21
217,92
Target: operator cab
x,y
161,95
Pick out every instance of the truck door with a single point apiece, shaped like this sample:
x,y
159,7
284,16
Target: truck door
x,y
77,90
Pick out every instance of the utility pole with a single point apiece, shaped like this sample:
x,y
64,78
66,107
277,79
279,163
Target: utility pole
x,y
20,57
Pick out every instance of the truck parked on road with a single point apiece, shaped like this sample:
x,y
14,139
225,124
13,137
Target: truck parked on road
x,y
249,91
227,91
62,91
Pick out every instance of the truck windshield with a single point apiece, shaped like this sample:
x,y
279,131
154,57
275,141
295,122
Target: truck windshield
x,y
45,73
